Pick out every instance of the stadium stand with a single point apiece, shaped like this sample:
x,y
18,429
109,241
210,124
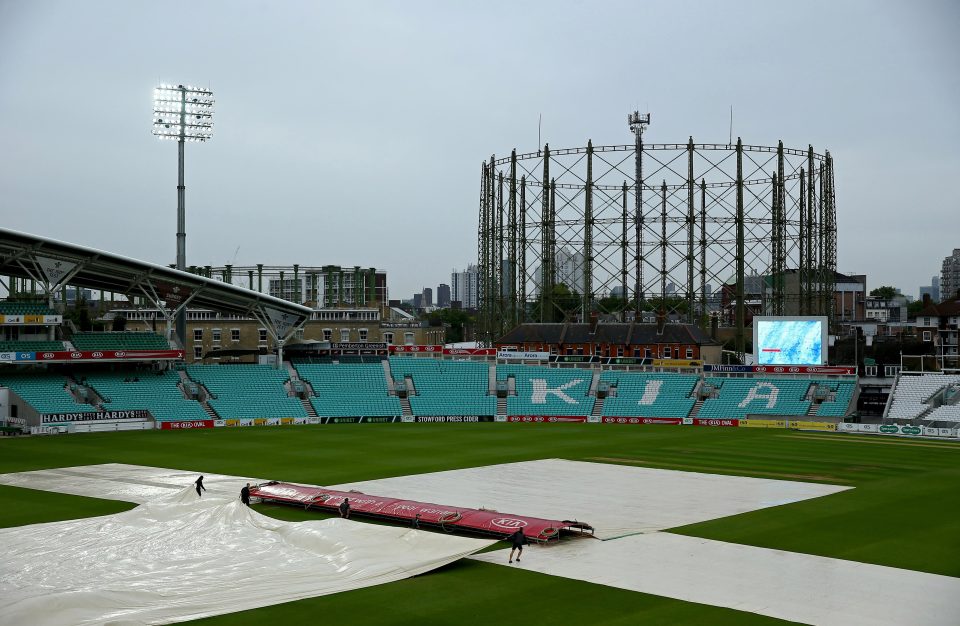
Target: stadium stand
x,y
649,394
45,393
739,397
247,391
113,340
158,393
349,389
838,404
446,387
25,308
911,394
548,391
31,346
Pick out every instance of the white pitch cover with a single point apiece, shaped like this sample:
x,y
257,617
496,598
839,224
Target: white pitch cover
x,y
616,500
802,588
181,557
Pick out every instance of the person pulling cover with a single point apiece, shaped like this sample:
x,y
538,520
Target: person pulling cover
x,y
518,540
345,508
200,486
245,495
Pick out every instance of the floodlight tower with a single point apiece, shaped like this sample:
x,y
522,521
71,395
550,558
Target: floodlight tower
x,y
638,123
182,113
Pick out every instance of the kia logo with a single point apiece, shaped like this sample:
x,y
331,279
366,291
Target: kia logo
x,y
48,355
119,355
76,355
97,355
508,522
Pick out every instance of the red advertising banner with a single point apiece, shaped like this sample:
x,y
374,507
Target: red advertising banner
x,y
412,349
826,370
700,422
546,418
110,355
470,351
642,420
805,369
186,425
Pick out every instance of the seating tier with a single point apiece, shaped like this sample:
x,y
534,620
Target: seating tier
x,y
655,394
247,391
44,393
119,341
31,346
349,389
446,387
740,397
155,392
548,391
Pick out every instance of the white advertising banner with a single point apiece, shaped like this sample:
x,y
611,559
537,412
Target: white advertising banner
x,y
529,356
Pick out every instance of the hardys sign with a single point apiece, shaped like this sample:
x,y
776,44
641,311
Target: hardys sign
x,y
99,416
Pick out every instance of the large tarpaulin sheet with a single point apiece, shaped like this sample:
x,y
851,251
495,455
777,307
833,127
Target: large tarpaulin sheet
x,y
616,500
787,585
180,557
119,481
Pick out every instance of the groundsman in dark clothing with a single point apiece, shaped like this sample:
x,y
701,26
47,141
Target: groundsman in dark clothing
x,y
200,486
345,508
245,495
517,540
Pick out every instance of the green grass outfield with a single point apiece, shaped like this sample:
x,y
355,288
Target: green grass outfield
x,y
904,512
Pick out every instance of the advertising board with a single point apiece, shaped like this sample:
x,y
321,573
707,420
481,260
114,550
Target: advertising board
x,y
425,419
641,420
98,416
540,419
527,356
716,422
762,424
187,425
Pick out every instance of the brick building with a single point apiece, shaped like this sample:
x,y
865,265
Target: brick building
x,y
669,341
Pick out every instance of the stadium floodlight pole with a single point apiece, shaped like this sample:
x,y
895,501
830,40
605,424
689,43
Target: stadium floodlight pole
x,y
638,123
182,113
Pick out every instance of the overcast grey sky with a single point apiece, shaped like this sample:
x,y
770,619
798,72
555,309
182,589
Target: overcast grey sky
x,y
353,132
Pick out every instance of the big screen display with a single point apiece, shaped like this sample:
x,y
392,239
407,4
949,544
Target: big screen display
x,y
790,340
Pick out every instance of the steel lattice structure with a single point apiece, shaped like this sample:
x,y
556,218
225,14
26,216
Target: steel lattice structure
x,y
704,215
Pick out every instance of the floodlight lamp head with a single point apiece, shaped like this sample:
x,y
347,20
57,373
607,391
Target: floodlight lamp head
x,y
183,113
